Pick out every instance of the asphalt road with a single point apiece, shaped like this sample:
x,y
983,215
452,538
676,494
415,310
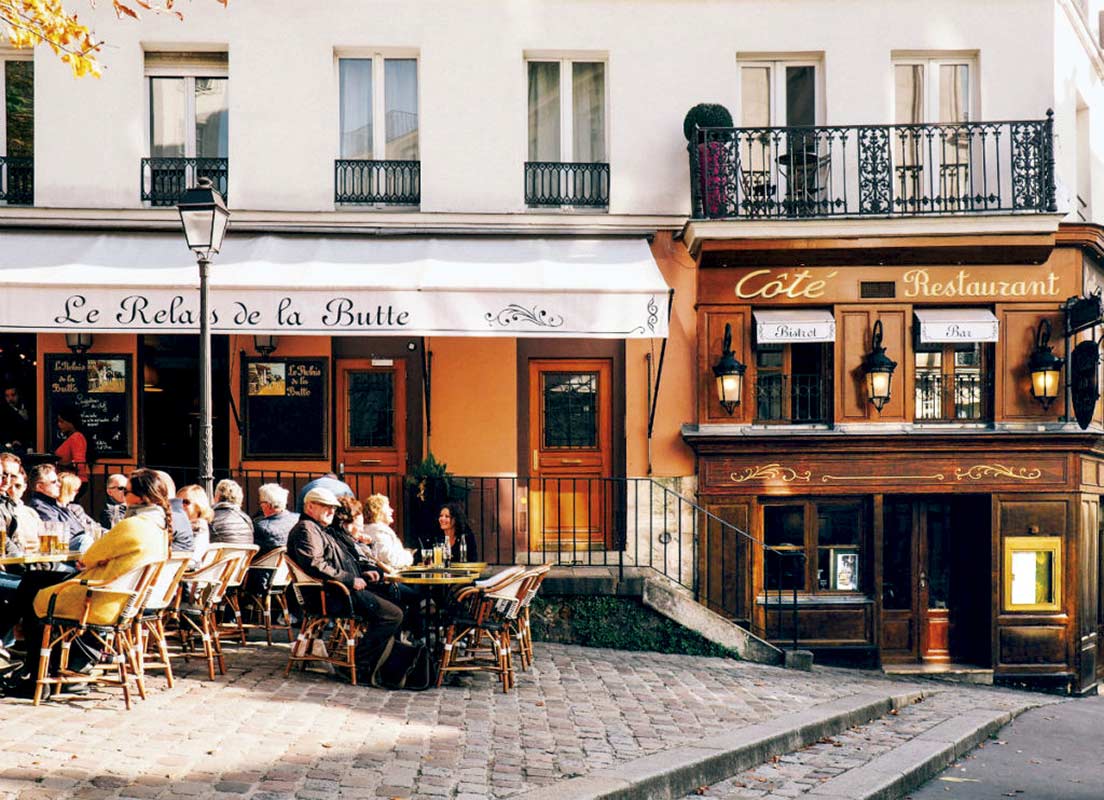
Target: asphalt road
x,y
1050,753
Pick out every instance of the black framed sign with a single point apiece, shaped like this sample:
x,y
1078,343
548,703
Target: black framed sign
x,y
100,387
285,403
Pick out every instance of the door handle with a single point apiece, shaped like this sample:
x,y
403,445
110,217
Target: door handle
x,y
536,461
923,580
371,461
571,461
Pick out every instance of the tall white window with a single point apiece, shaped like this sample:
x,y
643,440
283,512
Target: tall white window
x,y
567,111
379,108
935,90
188,105
779,94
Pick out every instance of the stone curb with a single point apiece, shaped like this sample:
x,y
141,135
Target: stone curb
x,y
677,772
892,775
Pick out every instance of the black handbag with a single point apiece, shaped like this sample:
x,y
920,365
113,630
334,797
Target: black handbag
x,y
404,666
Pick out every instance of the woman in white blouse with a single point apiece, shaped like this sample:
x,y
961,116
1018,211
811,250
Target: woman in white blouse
x,y
386,546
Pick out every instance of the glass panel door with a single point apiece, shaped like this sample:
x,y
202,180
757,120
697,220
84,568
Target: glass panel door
x,y
372,416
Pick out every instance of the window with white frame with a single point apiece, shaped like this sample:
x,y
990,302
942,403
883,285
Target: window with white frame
x,y
17,131
379,108
567,155
781,94
189,123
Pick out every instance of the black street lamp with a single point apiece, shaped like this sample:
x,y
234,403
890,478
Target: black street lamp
x,y
879,370
1045,367
205,218
729,374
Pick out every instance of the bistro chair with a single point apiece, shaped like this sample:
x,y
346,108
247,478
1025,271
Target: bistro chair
x,y
320,612
108,615
520,625
199,597
490,609
232,594
149,627
268,577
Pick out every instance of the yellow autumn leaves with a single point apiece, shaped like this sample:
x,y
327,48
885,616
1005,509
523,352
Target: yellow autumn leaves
x,y
27,23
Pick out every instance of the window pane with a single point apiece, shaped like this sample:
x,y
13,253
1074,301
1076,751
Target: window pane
x,y
168,108
839,539
212,118
755,110
588,101
371,409
954,93
800,96
570,409
908,94
929,383
544,111
356,107
400,97
19,103
939,555
784,527
897,556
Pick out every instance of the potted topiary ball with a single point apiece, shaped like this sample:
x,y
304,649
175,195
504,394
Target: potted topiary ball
x,y
713,155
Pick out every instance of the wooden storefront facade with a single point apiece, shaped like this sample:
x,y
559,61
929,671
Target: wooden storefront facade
x,y
916,522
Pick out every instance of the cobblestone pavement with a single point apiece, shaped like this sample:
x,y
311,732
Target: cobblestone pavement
x,y
795,774
253,733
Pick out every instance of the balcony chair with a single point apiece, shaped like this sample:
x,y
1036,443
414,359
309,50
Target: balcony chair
x,y
319,614
149,627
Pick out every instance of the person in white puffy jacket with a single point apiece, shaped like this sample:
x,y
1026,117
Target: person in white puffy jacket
x,y
386,546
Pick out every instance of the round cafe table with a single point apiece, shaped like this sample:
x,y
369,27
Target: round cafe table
x,y
435,582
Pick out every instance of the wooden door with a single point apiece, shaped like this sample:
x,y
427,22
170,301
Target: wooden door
x,y
900,602
371,416
933,541
570,419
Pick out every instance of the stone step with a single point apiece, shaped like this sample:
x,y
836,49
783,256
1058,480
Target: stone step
x,y
957,673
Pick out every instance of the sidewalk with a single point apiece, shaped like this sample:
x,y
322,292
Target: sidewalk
x,y
253,733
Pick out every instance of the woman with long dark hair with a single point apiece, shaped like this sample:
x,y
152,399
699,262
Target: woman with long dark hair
x,y
147,496
457,533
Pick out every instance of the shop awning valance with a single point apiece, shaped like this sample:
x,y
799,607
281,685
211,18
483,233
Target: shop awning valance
x,y
775,325
334,285
957,325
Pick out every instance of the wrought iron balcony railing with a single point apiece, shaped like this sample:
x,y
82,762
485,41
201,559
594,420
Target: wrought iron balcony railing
x,y
795,399
952,398
17,180
362,181
554,184
873,170
163,180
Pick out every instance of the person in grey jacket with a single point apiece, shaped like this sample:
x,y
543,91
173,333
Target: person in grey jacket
x,y
271,527
230,525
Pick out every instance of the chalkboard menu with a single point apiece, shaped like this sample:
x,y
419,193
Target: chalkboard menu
x,y
285,404
99,387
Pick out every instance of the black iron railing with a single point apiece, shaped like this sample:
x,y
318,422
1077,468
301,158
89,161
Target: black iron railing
x,y
551,183
163,180
791,398
873,170
952,398
378,182
17,180
624,524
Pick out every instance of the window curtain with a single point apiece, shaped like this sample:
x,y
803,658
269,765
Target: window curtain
x,y
168,109
588,93
400,97
544,111
356,107
212,129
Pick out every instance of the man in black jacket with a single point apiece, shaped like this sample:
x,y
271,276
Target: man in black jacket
x,y
322,555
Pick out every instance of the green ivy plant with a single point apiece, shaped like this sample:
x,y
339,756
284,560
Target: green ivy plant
x,y
429,469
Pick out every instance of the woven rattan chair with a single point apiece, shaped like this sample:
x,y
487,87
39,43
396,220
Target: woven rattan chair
x,y
520,626
160,601
200,594
232,595
107,620
268,578
330,629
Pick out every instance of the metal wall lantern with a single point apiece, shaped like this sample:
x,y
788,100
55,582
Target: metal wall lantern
x,y
78,342
879,370
1045,367
266,345
729,374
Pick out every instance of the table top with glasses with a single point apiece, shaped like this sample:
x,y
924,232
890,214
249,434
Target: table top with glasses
x,y
39,558
429,576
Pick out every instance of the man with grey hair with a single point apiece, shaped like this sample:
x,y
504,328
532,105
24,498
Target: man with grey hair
x,y
230,524
271,526
115,505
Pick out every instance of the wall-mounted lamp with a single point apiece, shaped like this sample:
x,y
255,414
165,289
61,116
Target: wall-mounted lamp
x,y
879,370
1045,367
729,375
78,342
266,345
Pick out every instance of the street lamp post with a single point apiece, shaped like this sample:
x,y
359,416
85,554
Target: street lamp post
x,y
205,217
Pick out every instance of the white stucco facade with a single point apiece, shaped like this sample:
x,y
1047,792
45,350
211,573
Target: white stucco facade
x,y
662,56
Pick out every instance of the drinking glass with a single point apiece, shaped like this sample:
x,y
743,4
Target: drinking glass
x,y
51,537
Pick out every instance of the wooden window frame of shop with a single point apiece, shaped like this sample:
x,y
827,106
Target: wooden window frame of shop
x,y
854,330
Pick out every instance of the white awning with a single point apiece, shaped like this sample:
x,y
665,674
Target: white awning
x,y
957,324
776,325
334,285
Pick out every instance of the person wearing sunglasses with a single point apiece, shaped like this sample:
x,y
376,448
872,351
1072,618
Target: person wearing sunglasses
x,y
46,486
115,505
200,514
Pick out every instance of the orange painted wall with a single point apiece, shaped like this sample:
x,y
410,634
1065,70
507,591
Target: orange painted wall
x,y
101,343
288,346
677,398
474,405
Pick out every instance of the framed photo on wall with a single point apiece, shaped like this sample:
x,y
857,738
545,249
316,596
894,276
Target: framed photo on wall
x,y
845,570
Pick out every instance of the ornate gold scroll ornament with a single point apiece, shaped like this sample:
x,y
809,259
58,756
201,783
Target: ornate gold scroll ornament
x,y
980,472
770,472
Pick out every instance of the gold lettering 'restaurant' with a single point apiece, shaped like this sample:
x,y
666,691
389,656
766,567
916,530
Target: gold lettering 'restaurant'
x,y
793,285
919,283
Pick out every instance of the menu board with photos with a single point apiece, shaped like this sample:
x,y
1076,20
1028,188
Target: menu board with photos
x,y
99,387
285,407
